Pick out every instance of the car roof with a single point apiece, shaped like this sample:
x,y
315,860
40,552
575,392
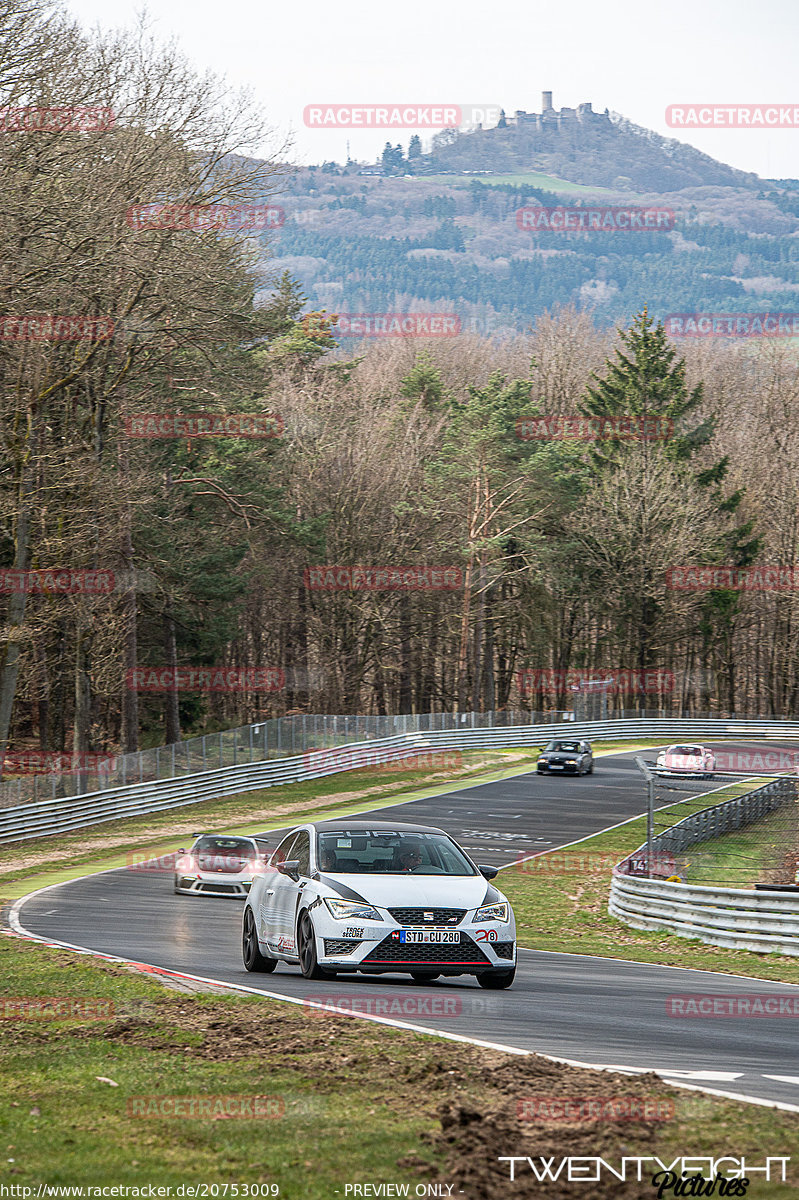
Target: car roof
x,y
381,826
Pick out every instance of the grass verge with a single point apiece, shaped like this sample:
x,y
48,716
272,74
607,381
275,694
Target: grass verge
x,y
561,901
344,1101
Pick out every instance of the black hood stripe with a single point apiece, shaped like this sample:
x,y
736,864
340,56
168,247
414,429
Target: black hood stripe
x,y
345,892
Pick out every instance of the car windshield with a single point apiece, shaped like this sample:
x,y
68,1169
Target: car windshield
x,y
690,750
230,847
361,852
559,747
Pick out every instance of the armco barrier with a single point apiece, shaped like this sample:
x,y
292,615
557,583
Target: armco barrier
x,y
468,732
733,917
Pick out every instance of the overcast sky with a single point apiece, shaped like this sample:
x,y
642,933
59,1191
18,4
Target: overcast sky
x,y
635,59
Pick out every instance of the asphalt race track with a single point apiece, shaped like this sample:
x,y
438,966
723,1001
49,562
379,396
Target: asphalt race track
x,y
597,1011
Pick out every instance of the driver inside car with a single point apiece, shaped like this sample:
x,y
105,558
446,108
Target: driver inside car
x,y
410,858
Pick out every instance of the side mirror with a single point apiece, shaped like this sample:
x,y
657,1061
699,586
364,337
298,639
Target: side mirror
x,y
290,868
488,872
181,851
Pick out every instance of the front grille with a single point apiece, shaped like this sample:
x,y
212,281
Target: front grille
x,y
391,950
218,887
503,949
340,945
428,916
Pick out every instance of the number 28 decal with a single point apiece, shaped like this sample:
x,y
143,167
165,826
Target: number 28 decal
x,y
486,935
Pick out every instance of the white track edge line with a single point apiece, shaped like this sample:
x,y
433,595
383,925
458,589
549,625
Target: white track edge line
x,y
22,932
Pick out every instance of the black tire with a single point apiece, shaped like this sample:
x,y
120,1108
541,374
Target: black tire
x,y
497,979
250,950
591,768
424,976
306,946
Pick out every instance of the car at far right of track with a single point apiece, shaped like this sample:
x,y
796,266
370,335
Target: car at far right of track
x,y
686,759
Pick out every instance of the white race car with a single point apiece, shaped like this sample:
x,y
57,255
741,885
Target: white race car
x,y
346,896
687,760
220,865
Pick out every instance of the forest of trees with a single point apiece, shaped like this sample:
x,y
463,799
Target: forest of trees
x,y
402,453
390,243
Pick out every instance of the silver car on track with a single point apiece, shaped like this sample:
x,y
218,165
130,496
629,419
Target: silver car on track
x,y
220,865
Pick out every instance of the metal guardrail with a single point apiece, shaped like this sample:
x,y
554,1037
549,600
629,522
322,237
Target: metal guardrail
x,y
285,737
732,917
42,817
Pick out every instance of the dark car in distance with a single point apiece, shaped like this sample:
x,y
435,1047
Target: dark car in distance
x,y
566,756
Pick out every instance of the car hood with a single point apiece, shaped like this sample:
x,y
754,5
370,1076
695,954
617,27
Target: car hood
x,y
413,891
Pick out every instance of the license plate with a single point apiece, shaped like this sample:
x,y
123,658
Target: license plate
x,y
447,936
556,766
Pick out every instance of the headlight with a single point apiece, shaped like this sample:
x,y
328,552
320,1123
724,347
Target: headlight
x,y
351,910
491,912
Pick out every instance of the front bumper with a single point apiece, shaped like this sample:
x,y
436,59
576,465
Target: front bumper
x,y
212,884
571,768
379,949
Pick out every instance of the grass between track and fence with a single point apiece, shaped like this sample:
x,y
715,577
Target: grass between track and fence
x,y
561,903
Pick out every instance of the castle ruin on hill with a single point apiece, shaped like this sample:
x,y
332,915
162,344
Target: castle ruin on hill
x,y
550,117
